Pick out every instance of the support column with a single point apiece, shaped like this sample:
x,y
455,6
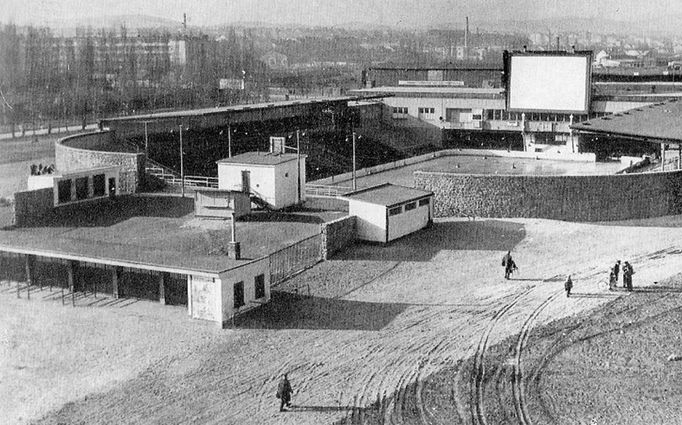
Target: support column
x,y
115,273
30,273
162,288
662,156
73,275
679,156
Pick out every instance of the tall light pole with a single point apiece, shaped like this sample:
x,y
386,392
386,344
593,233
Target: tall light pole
x,y
354,178
146,140
229,141
182,166
298,166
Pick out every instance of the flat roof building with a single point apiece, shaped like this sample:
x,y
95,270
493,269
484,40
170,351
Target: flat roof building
x,y
387,212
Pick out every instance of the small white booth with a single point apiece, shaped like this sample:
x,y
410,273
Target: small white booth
x,y
278,179
387,212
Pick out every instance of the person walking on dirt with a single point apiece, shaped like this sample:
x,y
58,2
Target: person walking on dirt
x,y
509,265
616,270
613,278
628,271
568,285
284,392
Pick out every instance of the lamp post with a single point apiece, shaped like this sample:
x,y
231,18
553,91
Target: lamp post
x,y
354,178
298,166
229,141
182,166
146,140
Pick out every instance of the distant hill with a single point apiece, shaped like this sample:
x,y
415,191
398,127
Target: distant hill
x,y
129,21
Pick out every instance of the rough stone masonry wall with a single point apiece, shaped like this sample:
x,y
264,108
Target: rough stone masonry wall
x,y
570,198
86,151
336,235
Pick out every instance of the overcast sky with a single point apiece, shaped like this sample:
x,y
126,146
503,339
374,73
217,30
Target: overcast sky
x,y
330,12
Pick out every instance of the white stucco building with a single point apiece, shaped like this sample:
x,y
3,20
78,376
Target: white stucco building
x,y
387,212
277,179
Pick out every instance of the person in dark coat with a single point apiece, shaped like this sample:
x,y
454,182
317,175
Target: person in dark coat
x,y
628,271
568,285
613,279
616,270
284,392
509,265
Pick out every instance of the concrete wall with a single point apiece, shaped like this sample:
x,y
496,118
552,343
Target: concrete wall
x,y
94,150
337,235
33,206
571,198
262,179
371,220
286,184
247,274
408,222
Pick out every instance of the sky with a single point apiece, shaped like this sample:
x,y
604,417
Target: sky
x,y
333,12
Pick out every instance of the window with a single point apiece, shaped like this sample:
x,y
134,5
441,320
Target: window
x,y
424,201
260,286
400,112
410,206
98,187
81,188
477,117
64,191
238,294
421,110
395,211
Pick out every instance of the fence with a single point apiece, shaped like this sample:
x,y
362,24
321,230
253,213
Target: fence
x,y
297,257
325,190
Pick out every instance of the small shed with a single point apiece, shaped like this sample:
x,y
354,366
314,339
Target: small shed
x,y
277,179
216,203
387,212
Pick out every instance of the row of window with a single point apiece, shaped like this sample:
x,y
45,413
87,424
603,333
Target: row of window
x,y
259,289
408,207
81,183
426,110
502,115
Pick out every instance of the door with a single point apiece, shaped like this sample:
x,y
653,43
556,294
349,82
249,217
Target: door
x,y
112,186
246,181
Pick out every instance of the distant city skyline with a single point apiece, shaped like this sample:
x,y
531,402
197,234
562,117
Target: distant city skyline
x,y
400,13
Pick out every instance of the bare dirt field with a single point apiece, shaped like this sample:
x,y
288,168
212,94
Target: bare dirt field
x,y
422,331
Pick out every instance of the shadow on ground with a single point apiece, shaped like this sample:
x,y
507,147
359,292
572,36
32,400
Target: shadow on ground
x,y
486,235
291,311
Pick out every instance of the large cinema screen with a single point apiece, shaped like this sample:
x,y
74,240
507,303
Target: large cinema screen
x,y
548,82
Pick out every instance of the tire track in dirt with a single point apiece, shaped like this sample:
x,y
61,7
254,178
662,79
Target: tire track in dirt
x,y
476,390
517,378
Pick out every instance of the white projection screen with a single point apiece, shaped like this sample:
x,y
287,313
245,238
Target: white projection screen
x,y
549,83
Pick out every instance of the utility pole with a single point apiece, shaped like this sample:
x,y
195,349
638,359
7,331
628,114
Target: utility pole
x,y
182,166
146,140
354,179
298,166
229,141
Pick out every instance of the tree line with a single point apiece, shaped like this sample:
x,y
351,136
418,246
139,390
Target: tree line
x,y
48,80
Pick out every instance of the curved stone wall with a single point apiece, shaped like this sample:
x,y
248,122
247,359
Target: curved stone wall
x,y
570,198
98,149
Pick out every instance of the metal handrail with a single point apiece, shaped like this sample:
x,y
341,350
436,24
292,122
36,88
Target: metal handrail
x,y
325,190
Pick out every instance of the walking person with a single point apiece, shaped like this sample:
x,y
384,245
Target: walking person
x,y
568,285
284,392
509,265
628,271
613,278
616,270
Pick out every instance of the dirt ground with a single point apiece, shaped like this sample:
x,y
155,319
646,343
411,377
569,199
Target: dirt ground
x,y
423,331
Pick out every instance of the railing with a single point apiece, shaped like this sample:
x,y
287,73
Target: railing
x,y
325,190
170,176
295,258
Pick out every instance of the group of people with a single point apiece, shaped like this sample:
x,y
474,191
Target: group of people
x,y
510,267
38,170
628,271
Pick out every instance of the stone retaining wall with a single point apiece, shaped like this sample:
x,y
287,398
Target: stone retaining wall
x,y
93,150
571,198
337,235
